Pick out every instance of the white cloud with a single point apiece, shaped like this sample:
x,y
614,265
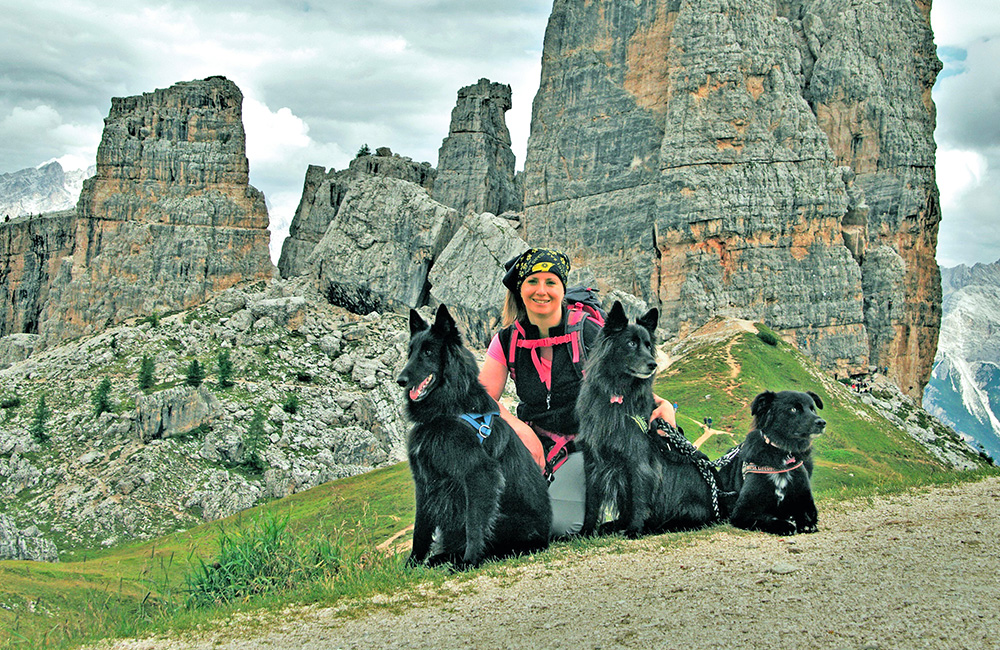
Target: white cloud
x,y
958,172
272,135
960,22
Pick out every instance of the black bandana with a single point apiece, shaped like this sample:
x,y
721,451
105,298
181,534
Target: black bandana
x,y
535,260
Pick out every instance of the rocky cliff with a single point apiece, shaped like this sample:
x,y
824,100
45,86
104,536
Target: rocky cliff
x,y
169,218
772,162
323,192
390,234
475,162
964,389
31,251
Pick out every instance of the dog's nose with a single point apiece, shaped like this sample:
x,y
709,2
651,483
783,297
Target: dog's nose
x,y
821,423
402,380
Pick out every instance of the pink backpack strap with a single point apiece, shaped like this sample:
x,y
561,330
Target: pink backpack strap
x,y
516,333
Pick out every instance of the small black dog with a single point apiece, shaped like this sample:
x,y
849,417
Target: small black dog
x,y
770,471
652,483
478,491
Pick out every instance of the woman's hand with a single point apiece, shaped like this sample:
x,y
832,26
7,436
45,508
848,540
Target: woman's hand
x,y
664,410
527,436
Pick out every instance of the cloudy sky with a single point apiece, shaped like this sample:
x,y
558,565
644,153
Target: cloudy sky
x,y
323,77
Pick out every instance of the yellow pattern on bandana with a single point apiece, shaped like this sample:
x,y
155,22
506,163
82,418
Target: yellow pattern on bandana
x,y
541,267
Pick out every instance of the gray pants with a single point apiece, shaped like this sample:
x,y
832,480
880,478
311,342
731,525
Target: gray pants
x,y
567,493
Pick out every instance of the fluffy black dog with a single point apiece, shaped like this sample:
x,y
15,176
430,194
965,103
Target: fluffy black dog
x,y
479,493
652,483
770,471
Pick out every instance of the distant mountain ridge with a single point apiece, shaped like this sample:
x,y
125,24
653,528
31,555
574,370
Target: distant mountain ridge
x,y
46,188
964,389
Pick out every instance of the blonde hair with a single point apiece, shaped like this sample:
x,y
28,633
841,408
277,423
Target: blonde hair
x,y
513,309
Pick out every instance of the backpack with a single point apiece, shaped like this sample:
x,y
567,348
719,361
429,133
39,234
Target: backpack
x,y
582,304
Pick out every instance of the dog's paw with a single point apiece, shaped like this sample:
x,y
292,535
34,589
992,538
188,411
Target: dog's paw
x,y
777,526
808,527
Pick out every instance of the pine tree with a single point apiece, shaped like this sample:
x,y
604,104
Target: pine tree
x,y
254,441
364,151
195,374
101,398
225,364
38,421
147,373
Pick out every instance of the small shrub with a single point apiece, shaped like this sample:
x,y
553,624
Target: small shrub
x,y
303,376
10,401
225,368
767,337
364,150
39,419
291,404
195,374
101,398
153,319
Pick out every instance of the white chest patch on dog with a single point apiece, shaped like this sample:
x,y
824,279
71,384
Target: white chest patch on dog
x,y
781,482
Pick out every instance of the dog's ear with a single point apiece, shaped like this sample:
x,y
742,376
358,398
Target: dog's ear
x,y
649,320
417,324
444,324
616,320
761,403
816,399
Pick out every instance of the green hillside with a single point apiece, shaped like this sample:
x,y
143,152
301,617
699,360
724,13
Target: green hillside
x,y
134,589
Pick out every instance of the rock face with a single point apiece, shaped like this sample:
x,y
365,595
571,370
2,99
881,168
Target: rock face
x,y
27,544
168,220
323,192
173,412
175,456
964,390
475,164
378,250
467,274
736,163
31,252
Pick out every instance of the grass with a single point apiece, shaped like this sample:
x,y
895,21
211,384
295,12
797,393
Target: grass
x,y
322,545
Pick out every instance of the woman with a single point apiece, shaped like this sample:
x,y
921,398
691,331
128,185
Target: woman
x,y
539,346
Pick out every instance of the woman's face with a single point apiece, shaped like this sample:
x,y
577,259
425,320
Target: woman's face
x,y
542,294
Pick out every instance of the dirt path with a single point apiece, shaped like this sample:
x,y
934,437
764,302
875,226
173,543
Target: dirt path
x,y
911,571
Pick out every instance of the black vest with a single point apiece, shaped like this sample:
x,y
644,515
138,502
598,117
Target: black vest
x,y
555,409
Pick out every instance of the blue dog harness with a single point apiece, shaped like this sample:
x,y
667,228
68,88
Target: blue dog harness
x,y
481,423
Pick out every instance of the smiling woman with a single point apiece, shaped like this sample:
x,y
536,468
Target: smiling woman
x,y
543,346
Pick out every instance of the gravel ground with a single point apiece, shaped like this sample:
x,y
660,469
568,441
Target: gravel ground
x,y
918,570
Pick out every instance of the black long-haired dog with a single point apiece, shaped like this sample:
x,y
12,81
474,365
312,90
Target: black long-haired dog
x,y
650,483
772,468
479,493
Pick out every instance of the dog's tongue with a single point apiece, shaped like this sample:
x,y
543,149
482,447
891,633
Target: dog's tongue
x,y
417,391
